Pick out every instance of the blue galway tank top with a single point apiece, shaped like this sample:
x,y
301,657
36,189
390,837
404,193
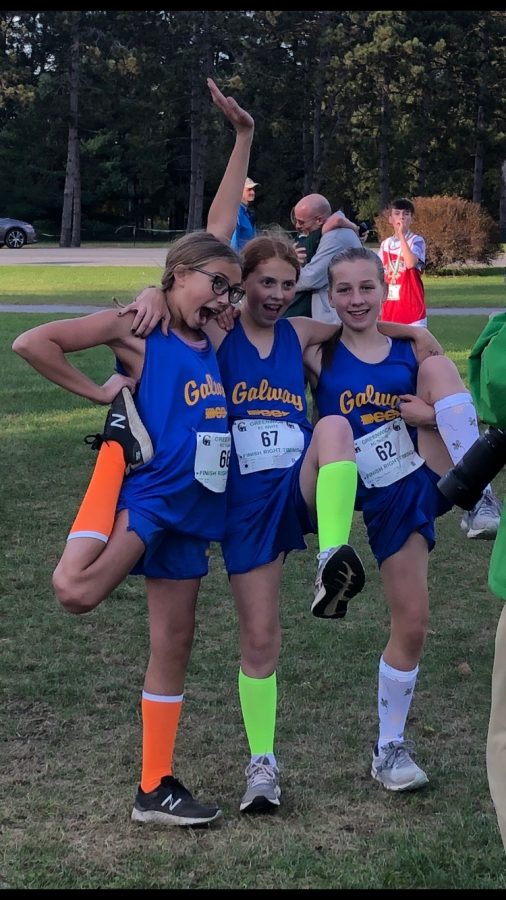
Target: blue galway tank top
x,y
270,388
366,393
180,394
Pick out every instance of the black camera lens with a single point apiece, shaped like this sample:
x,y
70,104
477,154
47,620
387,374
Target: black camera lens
x,y
464,484
363,228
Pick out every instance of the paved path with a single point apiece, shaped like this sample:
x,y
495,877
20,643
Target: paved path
x,y
135,256
85,256
49,308
463,311
103,256
82,310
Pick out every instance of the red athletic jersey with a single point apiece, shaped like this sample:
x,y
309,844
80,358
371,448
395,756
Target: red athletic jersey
x,y
406,300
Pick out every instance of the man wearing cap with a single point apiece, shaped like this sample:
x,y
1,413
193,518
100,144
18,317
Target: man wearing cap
x,y
245,228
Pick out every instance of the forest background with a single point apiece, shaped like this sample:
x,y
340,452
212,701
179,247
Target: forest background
x,y
106,124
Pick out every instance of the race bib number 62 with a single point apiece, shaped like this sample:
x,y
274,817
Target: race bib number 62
x,y
386,454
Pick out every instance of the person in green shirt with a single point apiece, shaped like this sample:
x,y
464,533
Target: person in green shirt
x,y
487,376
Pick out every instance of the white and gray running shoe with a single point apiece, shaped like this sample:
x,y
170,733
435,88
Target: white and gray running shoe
x,y
263,791
394,768
482,521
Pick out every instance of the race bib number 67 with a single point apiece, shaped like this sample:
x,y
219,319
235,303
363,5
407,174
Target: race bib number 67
x,y
266,444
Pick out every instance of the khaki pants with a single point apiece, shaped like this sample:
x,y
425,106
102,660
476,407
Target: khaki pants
x,y
496,740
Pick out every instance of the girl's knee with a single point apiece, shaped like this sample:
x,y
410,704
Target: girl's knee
x,y
436,371
414,637
261,650
335,429
70,596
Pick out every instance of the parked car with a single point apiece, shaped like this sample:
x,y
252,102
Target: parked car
x,y
15,233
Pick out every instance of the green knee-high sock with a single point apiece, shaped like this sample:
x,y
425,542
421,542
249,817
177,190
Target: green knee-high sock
x,y
336,488
259,697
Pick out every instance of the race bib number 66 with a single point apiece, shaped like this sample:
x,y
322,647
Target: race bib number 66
x,y
212,458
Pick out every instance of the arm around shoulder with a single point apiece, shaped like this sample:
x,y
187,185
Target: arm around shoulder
x,y
312,332
424,341
338,220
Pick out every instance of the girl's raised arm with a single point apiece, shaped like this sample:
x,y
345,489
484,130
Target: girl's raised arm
x,y
222,217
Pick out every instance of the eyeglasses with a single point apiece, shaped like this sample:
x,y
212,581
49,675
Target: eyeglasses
x,y
220,285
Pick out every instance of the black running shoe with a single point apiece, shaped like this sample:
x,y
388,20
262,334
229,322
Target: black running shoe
x,y
124,425
340,576
171,804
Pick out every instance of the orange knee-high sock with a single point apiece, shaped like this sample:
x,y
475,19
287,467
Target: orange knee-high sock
x,y
160,720
95,517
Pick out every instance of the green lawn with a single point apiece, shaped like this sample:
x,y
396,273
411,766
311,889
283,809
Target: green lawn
x,y
70,712
96,285
473,289
75,285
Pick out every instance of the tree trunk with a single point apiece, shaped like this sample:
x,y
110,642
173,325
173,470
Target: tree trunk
x,y
502,203
478,156
423,147
198,153
199,115
307,143
70,235
320,79
383,156
317,143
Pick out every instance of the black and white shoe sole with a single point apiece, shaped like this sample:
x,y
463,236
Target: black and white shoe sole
x,y
137,430
343,577
159,817
260,805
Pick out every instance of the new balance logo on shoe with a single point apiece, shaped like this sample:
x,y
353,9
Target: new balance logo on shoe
x,y
172,803
123,425
117,420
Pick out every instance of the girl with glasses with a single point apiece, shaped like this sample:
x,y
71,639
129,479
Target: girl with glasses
x,y
157,496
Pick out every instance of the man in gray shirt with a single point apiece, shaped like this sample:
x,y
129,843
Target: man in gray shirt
x,y
309,214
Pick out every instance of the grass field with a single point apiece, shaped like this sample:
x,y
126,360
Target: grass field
x,y
96,285
70,713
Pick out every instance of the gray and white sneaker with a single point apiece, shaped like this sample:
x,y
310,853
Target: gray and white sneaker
x,y
482,521
263,791
339,577
394,768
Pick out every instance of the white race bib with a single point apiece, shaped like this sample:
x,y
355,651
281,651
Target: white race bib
x,y
266,444
394,292
212,457
386,454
